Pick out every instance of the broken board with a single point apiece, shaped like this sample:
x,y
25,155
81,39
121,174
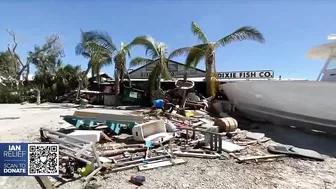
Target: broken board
x,y
103,115
161,164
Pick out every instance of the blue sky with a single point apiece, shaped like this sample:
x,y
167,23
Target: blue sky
x,y
290,28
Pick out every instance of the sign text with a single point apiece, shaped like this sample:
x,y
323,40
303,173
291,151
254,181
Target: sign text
x,y
264,74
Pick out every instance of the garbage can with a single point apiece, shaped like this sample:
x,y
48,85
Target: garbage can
x,y
134,96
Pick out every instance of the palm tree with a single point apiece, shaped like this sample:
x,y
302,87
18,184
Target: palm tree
x,y
98,54
119,59
66,78
157,51
206,49
120,66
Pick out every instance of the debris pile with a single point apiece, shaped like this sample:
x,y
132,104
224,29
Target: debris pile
x,y
98,141
102,141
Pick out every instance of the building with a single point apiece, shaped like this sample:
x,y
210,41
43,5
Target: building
x,y
177,70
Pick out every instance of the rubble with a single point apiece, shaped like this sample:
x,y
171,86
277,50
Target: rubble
x,y
103,143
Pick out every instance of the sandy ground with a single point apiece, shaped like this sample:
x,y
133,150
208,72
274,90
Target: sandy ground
x,y
197,173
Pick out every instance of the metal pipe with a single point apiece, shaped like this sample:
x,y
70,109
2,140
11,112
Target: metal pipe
x,y
220,143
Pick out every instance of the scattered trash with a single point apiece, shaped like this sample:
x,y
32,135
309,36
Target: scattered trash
x,y
103,142
255,136
170,126
137,180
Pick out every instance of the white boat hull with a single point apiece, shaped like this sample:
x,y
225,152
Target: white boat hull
x,y
308,104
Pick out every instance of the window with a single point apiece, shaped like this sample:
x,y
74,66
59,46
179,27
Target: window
x,y
332,63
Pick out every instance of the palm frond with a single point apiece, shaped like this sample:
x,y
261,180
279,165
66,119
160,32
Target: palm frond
x,y
162,49
153,79
197,31
195,55
94,42
102,38
165,72
147,42
102,58
125,49
179,52
139,61
243,33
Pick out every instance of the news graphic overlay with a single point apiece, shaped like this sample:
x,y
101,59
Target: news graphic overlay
x,y
29,159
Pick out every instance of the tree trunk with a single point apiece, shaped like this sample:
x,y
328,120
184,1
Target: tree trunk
x,y
27,74
98,80
117,85
85,74
159,83
117,82
92,74
208,74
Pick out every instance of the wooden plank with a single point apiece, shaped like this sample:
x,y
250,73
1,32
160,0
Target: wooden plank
x,y
241,159
103,116
161,164
44,182
196,155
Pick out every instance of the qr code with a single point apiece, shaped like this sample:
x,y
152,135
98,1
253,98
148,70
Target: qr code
x,y
43,159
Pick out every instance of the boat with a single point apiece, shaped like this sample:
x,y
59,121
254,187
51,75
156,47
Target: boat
x,y
305,104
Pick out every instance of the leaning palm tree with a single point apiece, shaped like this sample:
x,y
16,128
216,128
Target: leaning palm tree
x,y
103,39
157,51
206,49
99,60
98,53
120,65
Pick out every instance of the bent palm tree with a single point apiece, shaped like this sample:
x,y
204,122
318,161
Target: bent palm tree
x,y
206,49
98,53
120,66
156,51
104,40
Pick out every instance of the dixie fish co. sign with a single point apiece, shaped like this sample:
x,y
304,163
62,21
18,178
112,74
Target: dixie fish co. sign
x,y
262,74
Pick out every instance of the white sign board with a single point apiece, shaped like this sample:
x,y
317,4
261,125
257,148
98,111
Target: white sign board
x,y
133,95
262,74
